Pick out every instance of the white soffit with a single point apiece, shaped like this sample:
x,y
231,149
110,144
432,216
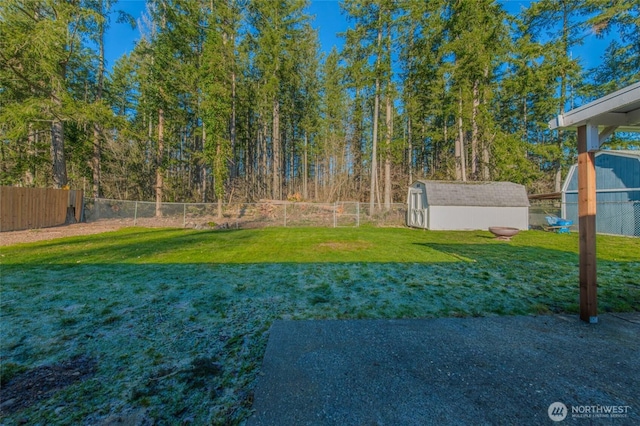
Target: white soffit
x,y
619,109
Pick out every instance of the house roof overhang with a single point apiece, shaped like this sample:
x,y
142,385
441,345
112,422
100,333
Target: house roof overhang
x,y
618,111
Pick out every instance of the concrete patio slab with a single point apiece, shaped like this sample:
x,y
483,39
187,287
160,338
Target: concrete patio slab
x,y
494,370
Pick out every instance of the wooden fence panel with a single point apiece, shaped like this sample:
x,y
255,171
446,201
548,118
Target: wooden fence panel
x,y
32,208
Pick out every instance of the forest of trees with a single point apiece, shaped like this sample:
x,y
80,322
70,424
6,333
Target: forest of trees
x,y
228,100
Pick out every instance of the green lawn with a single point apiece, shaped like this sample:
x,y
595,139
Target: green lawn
x,y
175,321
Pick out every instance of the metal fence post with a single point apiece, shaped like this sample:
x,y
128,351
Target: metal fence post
x,y
285,214
357,214
184,215
135,214
335,214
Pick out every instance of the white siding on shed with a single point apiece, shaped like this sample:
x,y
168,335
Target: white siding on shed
x,y
469,218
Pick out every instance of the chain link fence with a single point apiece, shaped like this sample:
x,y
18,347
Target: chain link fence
x,y
244,215
612,217
540,209
619,218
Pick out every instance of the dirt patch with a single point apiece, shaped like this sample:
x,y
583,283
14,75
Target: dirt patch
x,y
32,386
107,225
345,246
76,229
130,416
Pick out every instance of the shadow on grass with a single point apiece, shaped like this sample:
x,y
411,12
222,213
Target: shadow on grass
x,y
505,252
126,246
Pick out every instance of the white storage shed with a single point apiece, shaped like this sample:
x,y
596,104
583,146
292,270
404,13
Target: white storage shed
x,y
439,205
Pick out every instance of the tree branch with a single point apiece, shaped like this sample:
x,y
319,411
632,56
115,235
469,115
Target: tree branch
x,y
6,62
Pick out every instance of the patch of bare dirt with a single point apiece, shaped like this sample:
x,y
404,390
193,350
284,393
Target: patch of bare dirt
x,y
107,225
130,416
32,386
346,246
42,234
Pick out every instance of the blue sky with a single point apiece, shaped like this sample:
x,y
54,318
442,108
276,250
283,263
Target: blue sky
x,y
120,38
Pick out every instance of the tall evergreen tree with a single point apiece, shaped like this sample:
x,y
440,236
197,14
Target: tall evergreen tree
x,y
40,42
276,29
373,26
620,64
559,25
333,126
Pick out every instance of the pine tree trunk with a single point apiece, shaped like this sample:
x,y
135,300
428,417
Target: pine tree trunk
x,y
463,156
410,153
558,177
159,163
485,161
387,155
290,175
232,130
203,182
305,169
488,142
461,172
357,144
249,163
31,143
326,176
218,173
445,135
378,193
96,159
264,166
58,160
474,130
374,153
315,180
374,147
409,114
276,189
458,151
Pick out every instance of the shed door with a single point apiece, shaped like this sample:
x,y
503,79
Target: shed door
x,y
417,213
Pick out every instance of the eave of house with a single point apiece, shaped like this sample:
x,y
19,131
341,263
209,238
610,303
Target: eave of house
x,y
618,111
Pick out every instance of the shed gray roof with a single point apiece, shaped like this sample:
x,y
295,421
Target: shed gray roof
x,y
481,194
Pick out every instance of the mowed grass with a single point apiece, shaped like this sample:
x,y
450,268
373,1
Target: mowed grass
x,y
177,320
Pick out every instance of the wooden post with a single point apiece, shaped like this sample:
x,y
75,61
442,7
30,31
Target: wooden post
x,y
587,226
